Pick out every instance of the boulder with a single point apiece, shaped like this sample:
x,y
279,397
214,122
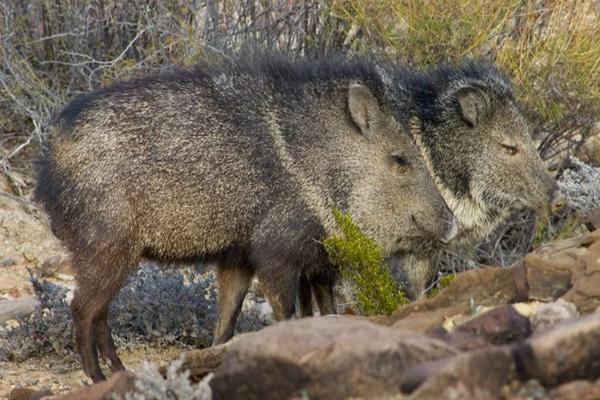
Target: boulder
x,y
322,358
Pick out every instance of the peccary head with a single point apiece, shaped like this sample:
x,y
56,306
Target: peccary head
x,y
394,199
477,144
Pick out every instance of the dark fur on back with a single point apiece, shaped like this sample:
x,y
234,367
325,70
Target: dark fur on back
x,y
285,76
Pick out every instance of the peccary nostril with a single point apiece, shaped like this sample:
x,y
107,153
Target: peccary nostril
x,y
451,232
559,202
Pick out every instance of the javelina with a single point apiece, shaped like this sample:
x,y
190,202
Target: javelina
x,y
478,148
239,164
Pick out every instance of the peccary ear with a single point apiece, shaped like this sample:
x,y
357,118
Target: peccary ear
x,y
473,104
364,107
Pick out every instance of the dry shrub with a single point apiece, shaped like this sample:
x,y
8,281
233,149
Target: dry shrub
x,y
51,50
550,48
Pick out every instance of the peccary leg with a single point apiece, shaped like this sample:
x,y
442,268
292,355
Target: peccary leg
x,y
324,295
106,345
281,288
99,278
233,282
305,297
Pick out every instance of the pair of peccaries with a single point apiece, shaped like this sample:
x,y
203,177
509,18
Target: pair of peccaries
x,y
241,163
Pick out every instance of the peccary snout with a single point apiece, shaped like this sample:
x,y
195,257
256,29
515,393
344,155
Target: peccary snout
x,y
452,230
444,228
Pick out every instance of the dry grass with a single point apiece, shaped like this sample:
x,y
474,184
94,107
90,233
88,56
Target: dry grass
x,y
550,48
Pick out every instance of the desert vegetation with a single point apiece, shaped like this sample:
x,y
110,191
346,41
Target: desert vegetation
x,y
50,51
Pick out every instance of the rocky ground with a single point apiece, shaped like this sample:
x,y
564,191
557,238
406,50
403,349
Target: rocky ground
x,y
530,331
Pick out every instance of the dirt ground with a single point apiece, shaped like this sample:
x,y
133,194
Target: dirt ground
x,y
59,376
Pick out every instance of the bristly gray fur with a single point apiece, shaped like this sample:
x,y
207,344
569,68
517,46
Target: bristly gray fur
x,y
238,163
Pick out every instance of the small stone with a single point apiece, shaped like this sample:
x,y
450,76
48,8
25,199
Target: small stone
x,y
64,277
549,314
7,262
501,325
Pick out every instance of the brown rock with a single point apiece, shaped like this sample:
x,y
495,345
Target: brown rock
x,y
28,394
577,390
485,286
500,325
568,351
580,256
548,279
474,375
118,384
325,358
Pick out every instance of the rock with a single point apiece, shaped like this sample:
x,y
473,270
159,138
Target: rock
x,y
6,262
547,282
592,220
202,362
9,309
427,320
118,384
568,351
577,390
322,358
28,394
501,325
549,314
485,286
584,264
461,340
473,375
65,277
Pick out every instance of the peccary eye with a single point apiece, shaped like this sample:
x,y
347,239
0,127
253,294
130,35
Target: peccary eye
x,y
400,160
510,150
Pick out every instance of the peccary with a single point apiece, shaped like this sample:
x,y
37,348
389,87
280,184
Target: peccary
x,y
478,148
477,145
238,164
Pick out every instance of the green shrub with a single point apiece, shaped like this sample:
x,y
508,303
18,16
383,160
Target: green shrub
x,y
360,261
